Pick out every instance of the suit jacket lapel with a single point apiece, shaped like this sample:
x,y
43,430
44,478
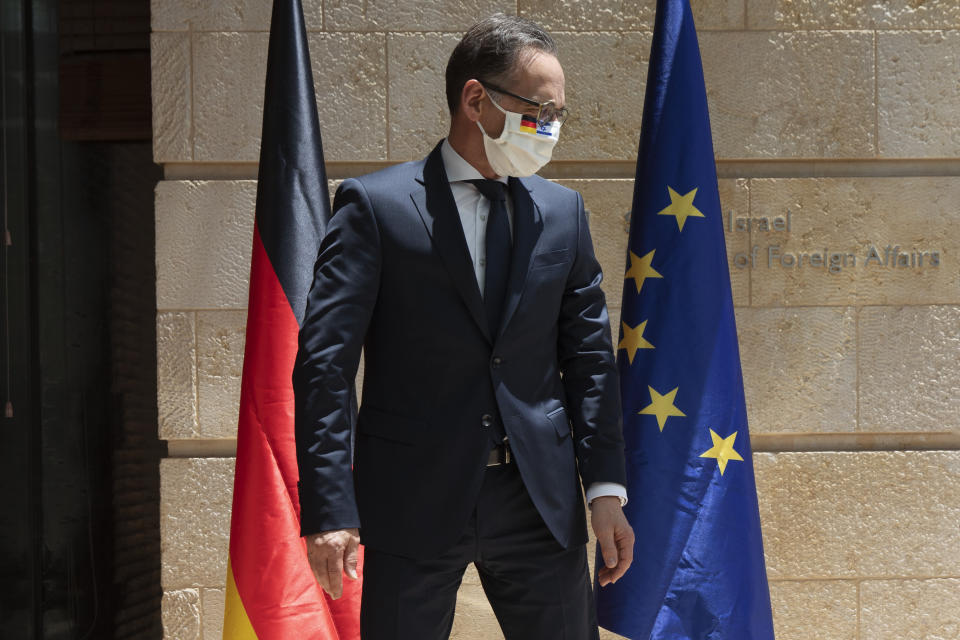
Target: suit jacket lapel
x,y
438,210
527,225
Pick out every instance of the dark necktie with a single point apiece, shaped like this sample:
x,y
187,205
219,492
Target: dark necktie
x,y
499,248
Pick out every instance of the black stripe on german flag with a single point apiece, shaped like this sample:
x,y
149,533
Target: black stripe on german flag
x,y
293,203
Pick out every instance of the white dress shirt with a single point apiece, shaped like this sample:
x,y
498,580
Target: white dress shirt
x,y
474,209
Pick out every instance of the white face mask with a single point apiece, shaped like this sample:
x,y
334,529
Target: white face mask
x,y
523,147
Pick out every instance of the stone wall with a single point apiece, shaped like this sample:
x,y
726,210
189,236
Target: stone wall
x,y
844,114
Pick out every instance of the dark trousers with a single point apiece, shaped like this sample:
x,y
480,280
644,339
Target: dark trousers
x,y
538,589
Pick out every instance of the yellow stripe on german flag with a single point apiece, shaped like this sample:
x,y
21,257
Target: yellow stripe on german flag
x,y
236,624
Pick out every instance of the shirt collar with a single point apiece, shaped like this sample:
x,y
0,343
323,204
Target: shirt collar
x,y
459,169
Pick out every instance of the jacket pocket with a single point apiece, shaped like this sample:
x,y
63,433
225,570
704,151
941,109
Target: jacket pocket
x,y
380,424
550,258
560,422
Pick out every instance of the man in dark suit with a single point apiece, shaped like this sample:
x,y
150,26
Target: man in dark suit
x,y
490,389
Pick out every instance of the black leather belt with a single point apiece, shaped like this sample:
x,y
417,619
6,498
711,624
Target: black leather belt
x,y
500,454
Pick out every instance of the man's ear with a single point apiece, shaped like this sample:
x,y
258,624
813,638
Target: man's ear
x,y
471,97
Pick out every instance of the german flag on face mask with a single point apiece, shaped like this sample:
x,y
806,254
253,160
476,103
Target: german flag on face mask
x,y
528,124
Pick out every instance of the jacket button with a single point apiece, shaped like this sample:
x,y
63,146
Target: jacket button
x,y
486,420
497,361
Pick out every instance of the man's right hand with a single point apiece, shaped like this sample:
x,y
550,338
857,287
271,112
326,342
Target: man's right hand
x,y
331,553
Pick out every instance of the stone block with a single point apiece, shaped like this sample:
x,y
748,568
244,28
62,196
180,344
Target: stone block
x,y
411,15
834,603
313,14
610,635
418,111
909,368
229,73
916,103
625,15
608,204
172,89
196,495
895,609
851,14
868,218
848,514
180,613
789,95
204,238
605,82
349,74
359,381
799,368
474,619
200,15
615,327
735,201
470,576
220,340
350,77
213,603
177,375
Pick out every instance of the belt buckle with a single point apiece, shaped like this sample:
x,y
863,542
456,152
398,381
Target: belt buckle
x,y
499,455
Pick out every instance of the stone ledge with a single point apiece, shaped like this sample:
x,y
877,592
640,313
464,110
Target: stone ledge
x,y
761,443
727,168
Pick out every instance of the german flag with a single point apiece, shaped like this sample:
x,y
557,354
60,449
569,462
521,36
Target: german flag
x,y
271,592
528,123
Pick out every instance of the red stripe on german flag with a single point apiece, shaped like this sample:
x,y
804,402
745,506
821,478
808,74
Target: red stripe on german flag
x,y
274,595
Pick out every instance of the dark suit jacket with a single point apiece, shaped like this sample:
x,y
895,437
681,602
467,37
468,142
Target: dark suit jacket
x,y
394,276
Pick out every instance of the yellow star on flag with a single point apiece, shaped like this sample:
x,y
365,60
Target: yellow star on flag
x,y
641,269
722,450
682,207
662,406
633,339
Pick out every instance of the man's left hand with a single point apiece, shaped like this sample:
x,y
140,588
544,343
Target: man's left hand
x,y
615,537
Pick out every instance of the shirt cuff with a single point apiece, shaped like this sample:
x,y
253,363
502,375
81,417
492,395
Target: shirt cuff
x,y
601,489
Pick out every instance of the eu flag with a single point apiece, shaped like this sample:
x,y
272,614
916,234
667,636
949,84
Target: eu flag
x,y
698,571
